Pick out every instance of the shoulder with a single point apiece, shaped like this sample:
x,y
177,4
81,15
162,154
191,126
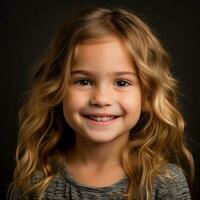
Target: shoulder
x,y
55,188
175,187
18,191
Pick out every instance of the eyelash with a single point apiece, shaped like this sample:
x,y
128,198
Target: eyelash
x,y
83,82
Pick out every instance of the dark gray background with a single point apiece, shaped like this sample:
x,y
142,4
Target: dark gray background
x,y
28,26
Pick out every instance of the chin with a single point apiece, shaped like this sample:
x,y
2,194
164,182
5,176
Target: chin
x,y
101,137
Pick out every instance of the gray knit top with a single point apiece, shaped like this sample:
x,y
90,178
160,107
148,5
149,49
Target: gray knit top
x,y
64,187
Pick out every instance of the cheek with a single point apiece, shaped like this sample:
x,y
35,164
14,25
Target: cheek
x,y
70,105
132,99
132,102
73,101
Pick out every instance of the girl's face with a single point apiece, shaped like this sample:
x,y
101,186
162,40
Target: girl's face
x,y
103,101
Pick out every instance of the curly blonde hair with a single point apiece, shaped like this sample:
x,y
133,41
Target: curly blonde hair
x,y
157,138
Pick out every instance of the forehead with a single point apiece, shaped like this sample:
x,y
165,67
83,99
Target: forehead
x,y
108,52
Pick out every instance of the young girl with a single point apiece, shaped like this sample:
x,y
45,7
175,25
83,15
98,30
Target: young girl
x,y
101,120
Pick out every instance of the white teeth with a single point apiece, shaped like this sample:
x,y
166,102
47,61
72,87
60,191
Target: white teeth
x,y
101,119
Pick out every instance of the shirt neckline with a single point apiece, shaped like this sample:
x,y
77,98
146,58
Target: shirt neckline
x,y
113,187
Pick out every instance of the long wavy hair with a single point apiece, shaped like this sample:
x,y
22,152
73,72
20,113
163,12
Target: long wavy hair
x,y
157,138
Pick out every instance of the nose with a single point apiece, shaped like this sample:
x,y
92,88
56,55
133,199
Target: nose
x,y
101,97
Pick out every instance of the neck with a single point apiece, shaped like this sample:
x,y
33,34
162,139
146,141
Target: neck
x,y
98,156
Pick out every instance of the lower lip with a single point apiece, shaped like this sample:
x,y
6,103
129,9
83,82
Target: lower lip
x,y
101,123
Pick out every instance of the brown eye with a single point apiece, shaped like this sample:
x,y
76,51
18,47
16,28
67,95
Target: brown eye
x,y
83,82
122,83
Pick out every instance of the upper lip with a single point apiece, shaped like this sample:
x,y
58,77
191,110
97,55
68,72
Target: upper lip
x,y
101,114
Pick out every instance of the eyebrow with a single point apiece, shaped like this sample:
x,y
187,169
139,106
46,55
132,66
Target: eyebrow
x,y
87,72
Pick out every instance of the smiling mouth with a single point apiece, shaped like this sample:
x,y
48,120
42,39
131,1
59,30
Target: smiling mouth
x,y
100,118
